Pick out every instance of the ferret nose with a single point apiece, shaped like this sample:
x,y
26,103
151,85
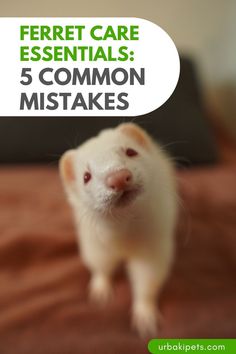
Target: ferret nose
x,y
119,180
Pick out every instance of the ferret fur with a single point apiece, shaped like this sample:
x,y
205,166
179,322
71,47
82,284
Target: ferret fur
x,y
140,232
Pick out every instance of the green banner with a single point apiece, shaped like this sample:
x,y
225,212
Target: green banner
x,y
157,346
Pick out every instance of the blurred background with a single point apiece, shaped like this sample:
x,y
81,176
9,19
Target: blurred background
x,y
43,297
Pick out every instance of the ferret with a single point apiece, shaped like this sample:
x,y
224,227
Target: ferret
x,y
122,190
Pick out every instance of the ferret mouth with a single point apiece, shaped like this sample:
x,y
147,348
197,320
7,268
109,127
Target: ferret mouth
x,y
127,197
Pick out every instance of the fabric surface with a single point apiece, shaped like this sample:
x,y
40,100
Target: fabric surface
x,y
43,283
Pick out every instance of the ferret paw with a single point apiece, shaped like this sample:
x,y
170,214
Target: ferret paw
x,y
100,290
144,320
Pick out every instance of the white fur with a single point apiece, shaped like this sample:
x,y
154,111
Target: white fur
x,y
139,234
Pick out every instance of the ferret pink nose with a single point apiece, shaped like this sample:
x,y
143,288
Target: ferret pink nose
x,y
119,180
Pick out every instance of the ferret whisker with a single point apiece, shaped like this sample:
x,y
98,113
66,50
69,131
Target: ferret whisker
x,y
180,159
116,218
173,143
177,160
187,217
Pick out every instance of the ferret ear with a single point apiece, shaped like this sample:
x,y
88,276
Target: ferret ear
x,y
66,167
135,132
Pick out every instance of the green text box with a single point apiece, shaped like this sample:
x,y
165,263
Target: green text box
x,y
157,346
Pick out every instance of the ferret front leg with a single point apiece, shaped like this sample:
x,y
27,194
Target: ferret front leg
x,y
100,288
145,285
102,266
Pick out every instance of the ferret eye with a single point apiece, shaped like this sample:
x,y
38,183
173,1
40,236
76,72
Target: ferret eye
x,y
131,152
87,177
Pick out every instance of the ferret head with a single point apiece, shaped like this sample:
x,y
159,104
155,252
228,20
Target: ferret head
x,y
109,171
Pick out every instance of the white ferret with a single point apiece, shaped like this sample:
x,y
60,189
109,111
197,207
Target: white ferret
x,y
121,187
